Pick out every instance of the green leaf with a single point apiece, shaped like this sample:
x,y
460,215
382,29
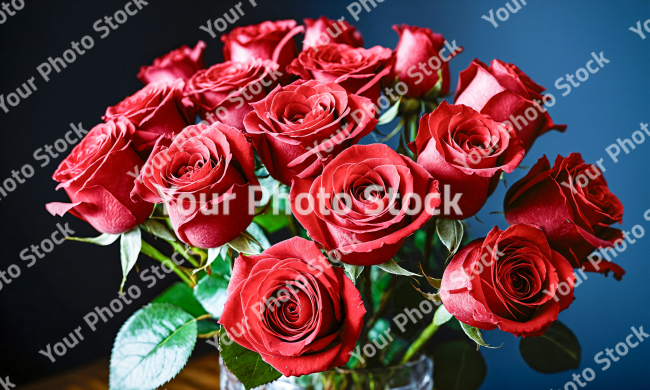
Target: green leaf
x,y
207,328
130,245
442,315
247,365
256,231
243,244
181,295
450,232
213,253
432,297
392,267
474,334
390,114
152,347
268,184
556,350
157,229
211,293
353,271
103,240
457,365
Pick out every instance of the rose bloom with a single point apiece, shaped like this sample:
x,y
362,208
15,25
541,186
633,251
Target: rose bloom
x,y
298,129
203,177
95,177
420,45
505,93
224,92
358,70
156,109
267,41
467,151
181,63
365,204
572,204
511,279
323,31
292,307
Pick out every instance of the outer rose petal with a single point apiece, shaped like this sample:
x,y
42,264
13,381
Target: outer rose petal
x,y
180,63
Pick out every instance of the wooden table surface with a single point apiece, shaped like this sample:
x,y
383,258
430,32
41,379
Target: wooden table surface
x,y
201,373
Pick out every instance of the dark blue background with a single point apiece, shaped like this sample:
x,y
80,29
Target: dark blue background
x,y
546,40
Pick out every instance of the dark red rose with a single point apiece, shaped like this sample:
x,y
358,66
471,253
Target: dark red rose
x,y
154,110
467,151
323,31
203,177
506,94
292,307
267,41
98,177
297,129
224,92
181,63
358,70
419,55
572,204
365,204
511,279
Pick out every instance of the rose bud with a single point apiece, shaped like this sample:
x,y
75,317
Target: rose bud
x,y
511,279
292,307
267,41
572,204
181,63
297,129
358,70
154,110
203,177
421,46
96,178
224,92
466,151
323,31
506,94
365,203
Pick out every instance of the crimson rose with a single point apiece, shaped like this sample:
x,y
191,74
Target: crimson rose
x,y
181,63
224,92
292,307
96,178
297,129
156,109
467,151
572,204
511,279
203,177
322,31
365,204
505,93
358,70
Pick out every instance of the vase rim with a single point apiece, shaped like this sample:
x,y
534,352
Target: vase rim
x,y
420,360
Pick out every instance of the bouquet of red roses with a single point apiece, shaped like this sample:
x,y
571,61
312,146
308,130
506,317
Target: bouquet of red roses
x,y
300,248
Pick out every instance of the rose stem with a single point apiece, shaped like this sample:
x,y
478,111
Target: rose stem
x,y
152,252
428,244
293,226
180,248
420,341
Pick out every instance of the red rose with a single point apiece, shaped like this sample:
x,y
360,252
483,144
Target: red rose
x,y
96,178
181,63
267,41
223,92
358,70
506,94
365,204
298,128
511,279
292,307
323,31
467,151
203,177
419,56
572,204
156,109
